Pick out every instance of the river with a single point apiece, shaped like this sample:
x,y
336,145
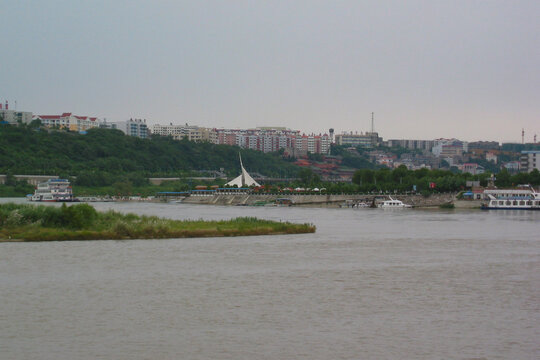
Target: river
x,y
369,284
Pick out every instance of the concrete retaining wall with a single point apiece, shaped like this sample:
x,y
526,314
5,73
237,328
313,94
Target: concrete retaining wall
x,y
434,200
30,179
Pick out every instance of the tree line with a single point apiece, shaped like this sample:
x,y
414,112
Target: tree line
x,y
105,156
402,180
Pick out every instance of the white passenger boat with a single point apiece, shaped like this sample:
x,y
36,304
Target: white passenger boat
x,y
393,204
53,190
524,198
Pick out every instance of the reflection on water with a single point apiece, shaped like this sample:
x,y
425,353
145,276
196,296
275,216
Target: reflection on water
x,y
369,284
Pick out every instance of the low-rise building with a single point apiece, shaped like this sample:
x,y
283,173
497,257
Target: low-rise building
x,y
472,168
491,157
68,121
512,166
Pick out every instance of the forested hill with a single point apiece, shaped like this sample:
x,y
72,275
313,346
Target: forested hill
x,y
37,151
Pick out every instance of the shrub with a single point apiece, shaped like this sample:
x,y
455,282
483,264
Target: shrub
x,y
447,206
79,216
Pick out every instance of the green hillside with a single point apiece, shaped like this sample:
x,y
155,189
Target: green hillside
x,y
24,150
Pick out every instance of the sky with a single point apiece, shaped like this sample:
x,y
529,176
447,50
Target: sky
x,y
426,69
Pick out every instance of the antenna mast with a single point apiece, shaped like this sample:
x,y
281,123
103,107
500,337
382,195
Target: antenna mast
x,y
522,136
372,127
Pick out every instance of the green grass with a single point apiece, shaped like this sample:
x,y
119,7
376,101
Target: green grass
x,y
22,222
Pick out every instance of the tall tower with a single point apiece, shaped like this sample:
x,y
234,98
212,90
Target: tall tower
x,y
522,136
372,123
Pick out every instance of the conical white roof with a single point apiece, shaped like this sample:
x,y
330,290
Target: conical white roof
x,y
243,179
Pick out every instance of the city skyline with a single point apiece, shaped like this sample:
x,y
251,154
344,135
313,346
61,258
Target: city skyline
x,y
465,70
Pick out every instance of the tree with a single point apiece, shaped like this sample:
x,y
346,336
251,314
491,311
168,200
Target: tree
x,y
534,177
363,177
10,179
123,188
308,177
503,178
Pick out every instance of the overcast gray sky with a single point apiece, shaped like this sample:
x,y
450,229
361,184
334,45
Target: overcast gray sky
x,y
428,69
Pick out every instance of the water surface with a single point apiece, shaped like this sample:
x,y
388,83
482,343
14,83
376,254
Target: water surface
x,y
370,284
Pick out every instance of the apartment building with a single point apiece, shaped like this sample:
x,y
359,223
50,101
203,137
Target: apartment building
x,y
530,160
367,140
313,144
412,144
449,148
484,145
131,127
265,139
191,132
12,116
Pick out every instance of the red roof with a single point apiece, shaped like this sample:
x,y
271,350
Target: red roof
x,y
66,114
49,116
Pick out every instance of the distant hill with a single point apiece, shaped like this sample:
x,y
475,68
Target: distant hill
x,y
24,150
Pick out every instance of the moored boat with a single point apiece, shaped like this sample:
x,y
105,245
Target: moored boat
x,y
393,204
524,198
53,190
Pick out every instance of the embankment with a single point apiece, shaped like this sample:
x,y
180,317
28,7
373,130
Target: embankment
x,y
334,200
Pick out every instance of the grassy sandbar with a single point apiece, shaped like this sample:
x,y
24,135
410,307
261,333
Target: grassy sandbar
x,y
22,222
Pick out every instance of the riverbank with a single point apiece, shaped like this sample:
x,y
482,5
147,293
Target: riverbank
x,y
315,200
21,222
300,200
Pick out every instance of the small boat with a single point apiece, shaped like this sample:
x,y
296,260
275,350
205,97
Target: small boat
x,y
283,202
393,204
53,190
362,205
524,198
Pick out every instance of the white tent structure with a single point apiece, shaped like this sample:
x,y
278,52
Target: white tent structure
x,y
243,179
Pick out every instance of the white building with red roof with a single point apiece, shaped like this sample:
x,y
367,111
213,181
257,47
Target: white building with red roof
x,y
69,121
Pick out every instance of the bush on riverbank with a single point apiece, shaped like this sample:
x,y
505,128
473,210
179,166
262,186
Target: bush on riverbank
x,y
447,206
83,222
